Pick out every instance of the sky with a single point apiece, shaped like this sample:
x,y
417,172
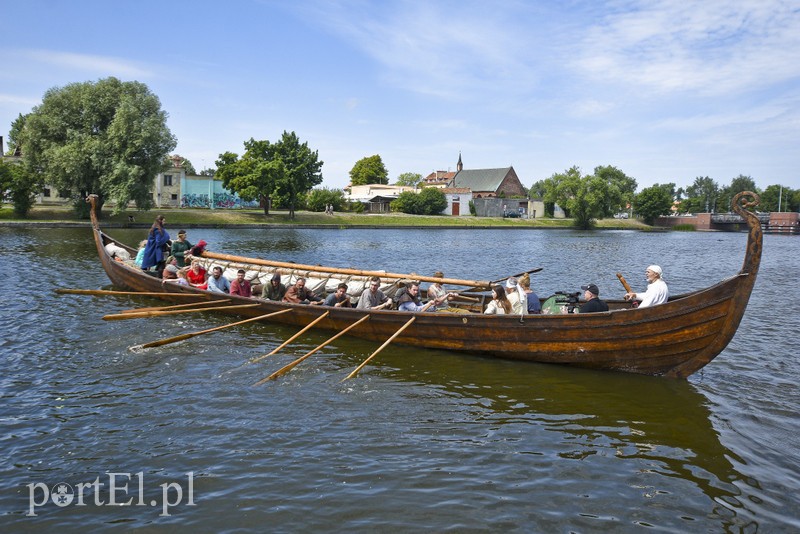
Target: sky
x,y
665,91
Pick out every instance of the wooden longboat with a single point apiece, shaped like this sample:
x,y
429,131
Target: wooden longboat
x,y
673,339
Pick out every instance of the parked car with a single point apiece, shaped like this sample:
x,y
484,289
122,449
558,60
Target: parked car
x,y
622,215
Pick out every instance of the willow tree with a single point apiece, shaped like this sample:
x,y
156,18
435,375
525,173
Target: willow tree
x,y
107,137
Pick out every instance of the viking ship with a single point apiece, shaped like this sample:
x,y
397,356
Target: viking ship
x,y
674,339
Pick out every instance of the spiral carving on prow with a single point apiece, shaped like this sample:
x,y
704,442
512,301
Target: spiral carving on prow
x,y
739,204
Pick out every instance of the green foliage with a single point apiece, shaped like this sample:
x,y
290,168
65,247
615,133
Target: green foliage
x,y
317,199
621,189
773,194
355,207
701,196
581,197
14,135
429,201
472,210
369,170
282,172
406,202
409,179
537,190
653,202
18,186
432,200
107,138
737,185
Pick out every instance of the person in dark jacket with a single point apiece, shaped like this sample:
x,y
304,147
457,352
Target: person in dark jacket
x,y
593,303
157,239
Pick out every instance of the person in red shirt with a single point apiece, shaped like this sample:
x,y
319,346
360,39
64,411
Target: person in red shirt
x,y
197,275
240,286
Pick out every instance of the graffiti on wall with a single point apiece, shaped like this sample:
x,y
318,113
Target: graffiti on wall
x,y
221,201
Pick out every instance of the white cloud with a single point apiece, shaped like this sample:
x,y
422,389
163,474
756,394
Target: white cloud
x,y
712,47
94,64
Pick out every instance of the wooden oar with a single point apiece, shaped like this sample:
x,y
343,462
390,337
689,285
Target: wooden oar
x,y
193,334
176,306
365,362
288,367
98,292
536,270
338,270
139,315
300,333
625,283
627,286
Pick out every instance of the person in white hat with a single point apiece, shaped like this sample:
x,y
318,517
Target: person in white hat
x,y
657,290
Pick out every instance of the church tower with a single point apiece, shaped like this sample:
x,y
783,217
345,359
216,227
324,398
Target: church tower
x,y
459,165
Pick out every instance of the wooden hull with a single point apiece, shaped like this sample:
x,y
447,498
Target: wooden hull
x,y
673,339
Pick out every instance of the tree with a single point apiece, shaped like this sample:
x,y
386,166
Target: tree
x,y
317,199
284,170
108,138
653,202
369,170
253,177
701,196
737,185
18,186
581,197
409,179
16,130
777,198
621,189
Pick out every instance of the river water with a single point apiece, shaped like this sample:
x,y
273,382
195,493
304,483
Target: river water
x,y
421,440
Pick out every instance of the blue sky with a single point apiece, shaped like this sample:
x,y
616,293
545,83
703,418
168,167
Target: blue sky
x,y
666,91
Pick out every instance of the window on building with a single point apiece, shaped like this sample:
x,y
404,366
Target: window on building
x,y
46,192
64,194
167,179
174,196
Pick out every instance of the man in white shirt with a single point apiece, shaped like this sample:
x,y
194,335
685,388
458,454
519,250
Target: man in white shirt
x,y
657,290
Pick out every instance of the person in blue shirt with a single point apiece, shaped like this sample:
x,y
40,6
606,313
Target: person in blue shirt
x,y
218,283
409,301
534,304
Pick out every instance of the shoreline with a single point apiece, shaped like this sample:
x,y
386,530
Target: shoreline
x,y
255,226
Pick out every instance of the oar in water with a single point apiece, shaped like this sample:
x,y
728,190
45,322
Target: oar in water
x,y
139,315
365,362
176,306
288,367
99,292
300,333
193,334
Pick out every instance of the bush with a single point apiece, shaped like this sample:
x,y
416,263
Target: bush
x,y
317,199
429,201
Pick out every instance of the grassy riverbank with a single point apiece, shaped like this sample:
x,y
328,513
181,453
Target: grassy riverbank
x,y
195,218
